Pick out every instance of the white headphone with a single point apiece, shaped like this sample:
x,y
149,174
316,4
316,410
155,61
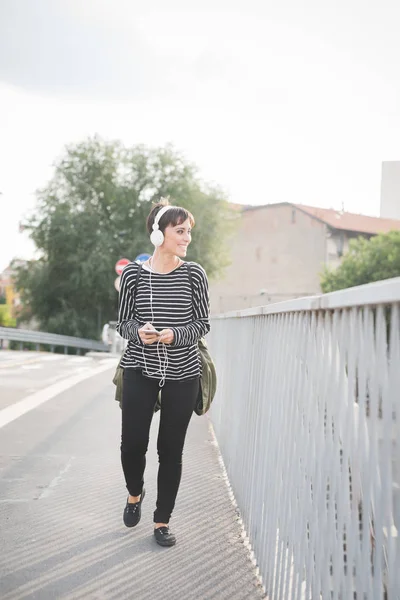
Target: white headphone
x,y
157,236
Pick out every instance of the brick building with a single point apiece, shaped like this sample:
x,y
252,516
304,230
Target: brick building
x,y
279,250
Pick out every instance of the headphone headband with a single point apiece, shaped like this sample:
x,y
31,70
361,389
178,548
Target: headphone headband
x,y
160,214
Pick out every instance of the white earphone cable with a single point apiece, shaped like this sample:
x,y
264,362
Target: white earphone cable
x,y
162,371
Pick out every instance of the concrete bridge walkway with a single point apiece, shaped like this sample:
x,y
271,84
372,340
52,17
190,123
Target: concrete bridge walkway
x,y
61,500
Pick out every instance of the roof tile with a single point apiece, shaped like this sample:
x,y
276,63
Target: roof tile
x,y
350,221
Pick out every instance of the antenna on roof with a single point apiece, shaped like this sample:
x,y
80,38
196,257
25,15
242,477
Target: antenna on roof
x,y
342,209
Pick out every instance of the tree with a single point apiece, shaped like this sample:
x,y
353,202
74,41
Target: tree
x,y
93,212
366,261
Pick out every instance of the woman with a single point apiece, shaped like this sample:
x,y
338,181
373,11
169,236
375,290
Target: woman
x,y
163,319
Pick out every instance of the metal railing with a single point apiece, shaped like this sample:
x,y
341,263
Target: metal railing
x,y
307,419
53,340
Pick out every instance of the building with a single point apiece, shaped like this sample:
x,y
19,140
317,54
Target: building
x,y
390,190
7,287
279,251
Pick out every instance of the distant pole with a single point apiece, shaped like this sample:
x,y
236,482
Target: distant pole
x,y
99,320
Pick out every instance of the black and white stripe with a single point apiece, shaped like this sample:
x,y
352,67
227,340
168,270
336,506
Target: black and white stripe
x,y
174,308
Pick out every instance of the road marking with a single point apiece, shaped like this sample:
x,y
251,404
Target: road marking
x,y
11,365
54,482
34,400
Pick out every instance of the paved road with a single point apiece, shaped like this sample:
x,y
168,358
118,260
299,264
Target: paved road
x,y
62,496
24,373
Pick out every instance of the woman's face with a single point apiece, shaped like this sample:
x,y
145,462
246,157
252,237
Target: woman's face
x,y
177,239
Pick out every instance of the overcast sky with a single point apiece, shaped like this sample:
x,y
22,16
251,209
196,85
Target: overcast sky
x,y
274,101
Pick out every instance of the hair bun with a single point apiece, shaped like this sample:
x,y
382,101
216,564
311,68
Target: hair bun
x,y
162,202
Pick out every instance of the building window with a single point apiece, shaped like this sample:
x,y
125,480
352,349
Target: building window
x,y
340,245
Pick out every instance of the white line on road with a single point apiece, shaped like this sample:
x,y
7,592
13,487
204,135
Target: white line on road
x,y
9,364
54,482
30,402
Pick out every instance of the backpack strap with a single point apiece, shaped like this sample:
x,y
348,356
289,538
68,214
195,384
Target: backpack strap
x,y
137,280
189,266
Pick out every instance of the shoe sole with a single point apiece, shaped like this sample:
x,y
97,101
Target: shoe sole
x,y
141,500
166,544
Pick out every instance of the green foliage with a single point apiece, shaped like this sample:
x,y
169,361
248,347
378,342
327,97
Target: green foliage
x,y
92,213
6,320
367,261
14,345
3,300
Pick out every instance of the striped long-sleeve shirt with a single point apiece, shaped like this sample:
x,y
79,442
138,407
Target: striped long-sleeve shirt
x,y
174,307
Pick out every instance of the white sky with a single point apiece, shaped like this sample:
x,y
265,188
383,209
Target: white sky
x,y
274,101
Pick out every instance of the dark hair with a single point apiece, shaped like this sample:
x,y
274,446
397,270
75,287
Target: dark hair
x,y
176,215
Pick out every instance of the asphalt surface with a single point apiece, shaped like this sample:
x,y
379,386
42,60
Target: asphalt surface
x,y
62,496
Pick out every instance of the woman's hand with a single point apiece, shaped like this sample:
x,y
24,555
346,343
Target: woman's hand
x,y
166,336
148,334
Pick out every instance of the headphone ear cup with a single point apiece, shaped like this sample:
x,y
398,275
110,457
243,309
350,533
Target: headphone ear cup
x,y
157,238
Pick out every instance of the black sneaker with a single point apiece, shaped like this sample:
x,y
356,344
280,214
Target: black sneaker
x,y
133,511
164,537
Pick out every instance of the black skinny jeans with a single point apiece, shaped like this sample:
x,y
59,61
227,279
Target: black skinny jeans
x,y
178,400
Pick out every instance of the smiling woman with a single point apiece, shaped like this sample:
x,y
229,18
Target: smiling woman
x,y
163,321
169,220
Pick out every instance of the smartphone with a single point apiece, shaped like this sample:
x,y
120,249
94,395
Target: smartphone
x,y
151,332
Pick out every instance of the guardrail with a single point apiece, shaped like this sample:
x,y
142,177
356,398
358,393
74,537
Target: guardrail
x,y
307,419
53,340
